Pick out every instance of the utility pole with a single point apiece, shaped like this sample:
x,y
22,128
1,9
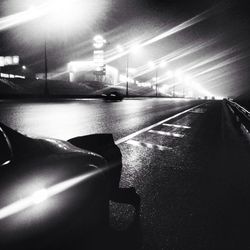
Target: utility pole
x,y
46,89
156,75
127,74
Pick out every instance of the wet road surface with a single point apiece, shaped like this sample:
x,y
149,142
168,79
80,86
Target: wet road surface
x,y
185,171
183,168
67,119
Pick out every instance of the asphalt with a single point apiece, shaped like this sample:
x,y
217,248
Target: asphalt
x,y
64,119
193,178
195,190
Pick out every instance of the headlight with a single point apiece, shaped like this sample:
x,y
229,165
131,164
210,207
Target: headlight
x,y
44,194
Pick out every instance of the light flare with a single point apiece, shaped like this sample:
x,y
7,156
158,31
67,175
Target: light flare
x,y
44,194
176,55
182,26
23,17
222,64
58,14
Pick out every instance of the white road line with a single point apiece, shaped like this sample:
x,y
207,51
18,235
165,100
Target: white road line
x,y
175,125
128,137
198,111
166,133
231,109
148,145
244,129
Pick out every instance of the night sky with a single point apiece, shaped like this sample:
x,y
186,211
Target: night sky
x,y
122,21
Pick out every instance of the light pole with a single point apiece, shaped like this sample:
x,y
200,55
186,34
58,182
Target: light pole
x,y
170,75
156,75
161,65
59,13
120,49
46,89
187,79
133,49
127,74
153,66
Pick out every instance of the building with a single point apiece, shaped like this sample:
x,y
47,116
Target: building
x,y
81,71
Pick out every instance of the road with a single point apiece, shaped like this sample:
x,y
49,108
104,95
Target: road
x,y
67,119
181,163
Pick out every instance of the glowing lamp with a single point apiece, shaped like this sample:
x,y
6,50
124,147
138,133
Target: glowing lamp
x,y
40,196
99,42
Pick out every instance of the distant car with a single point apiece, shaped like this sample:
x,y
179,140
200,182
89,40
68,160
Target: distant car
x,y
112,96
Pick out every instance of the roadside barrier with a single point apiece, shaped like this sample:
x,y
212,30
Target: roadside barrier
x,y
241,115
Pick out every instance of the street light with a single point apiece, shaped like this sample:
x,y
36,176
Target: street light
x,y
153,66
187,80
99,42
58,14
132,71
133,49
163,64
119,48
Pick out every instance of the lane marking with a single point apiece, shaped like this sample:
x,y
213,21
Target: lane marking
x,y
231,109
128,137
198,111
147,145
166,133
175,125
244,129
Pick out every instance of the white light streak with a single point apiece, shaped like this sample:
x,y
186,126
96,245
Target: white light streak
x,y
163,64
151,65
188,50
23,17
192,21
222,64
213,58
43,194
40,196
58,14
119,48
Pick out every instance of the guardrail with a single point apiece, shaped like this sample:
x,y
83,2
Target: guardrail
x,y
242,116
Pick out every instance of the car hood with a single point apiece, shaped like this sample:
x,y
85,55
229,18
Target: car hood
x,y
49,185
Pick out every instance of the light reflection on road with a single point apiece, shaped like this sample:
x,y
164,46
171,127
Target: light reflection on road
x,y
67,119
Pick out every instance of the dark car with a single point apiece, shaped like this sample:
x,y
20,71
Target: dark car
x,y
55,194
113,96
